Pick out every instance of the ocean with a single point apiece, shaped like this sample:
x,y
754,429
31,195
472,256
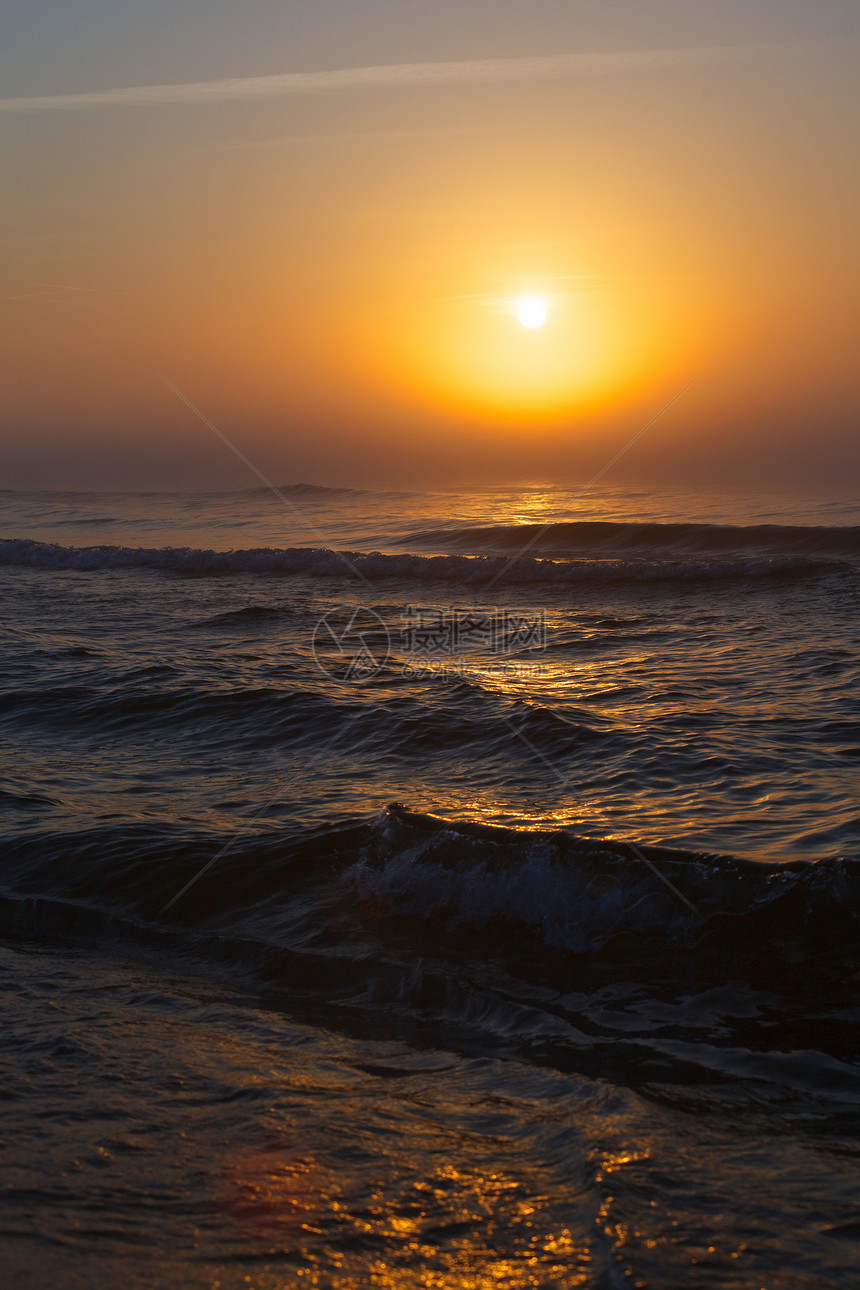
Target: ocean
x,y
453,888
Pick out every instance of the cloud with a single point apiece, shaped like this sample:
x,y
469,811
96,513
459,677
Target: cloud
x,y
347,136
50,292
391,76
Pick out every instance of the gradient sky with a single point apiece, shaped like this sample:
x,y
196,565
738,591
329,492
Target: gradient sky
x,y
328,261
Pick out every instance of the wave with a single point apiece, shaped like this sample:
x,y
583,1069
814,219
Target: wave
x,y
490,935
466,887
249,616
577,894
651,540
91,521
374,565
156,703
257,717
310,490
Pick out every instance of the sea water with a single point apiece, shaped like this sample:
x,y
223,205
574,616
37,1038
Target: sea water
x,y
447,889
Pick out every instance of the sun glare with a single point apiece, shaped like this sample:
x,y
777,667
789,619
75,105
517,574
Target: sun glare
x,y
531,312
578,349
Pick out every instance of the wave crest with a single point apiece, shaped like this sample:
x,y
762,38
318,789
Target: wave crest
x,y
467,569
654,541
577,893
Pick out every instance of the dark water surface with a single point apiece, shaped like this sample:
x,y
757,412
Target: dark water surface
x,y
498,929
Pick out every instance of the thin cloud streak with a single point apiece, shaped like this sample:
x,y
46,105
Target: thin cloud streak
x,y
352,136
50,292
391,76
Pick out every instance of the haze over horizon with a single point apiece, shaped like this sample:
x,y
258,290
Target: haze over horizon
x,y
324,223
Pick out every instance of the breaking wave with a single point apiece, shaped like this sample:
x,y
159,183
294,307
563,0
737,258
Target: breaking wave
x,y
651,540
468,569
471,887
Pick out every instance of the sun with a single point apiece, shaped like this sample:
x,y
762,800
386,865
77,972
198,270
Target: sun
x,y
531,312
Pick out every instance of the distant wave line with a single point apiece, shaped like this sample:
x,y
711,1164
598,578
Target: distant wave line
x,y
390,76
317,562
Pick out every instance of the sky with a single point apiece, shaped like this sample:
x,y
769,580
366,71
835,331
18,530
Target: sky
x,y
319,220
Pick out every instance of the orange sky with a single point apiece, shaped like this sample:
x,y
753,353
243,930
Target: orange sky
x,y
332,275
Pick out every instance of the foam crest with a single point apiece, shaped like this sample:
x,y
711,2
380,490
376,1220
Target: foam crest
x,y
323,563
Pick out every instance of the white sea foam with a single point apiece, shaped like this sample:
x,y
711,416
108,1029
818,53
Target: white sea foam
x,y
323,563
